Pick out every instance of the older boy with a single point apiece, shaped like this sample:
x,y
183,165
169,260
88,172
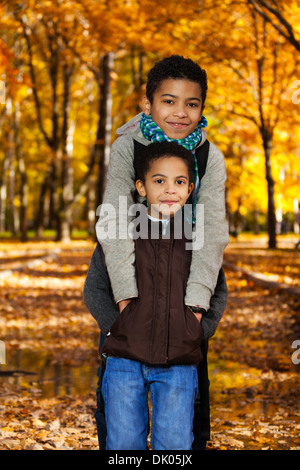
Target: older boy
x,y
173,107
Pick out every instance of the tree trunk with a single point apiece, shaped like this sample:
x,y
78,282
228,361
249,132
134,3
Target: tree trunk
x,y
23,175
267,145
66,197
256,223
91,206
54,194
40,217
3,193
104,127
14,220
101,149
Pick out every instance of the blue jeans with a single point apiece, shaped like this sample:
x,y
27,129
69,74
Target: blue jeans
x,y
173,391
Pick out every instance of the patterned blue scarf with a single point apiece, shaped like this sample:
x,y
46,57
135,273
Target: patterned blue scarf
x,y
151,131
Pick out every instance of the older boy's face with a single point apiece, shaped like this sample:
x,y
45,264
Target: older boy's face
x,y
176,108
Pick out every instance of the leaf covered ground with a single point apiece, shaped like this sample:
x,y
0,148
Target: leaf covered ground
x,y
49,380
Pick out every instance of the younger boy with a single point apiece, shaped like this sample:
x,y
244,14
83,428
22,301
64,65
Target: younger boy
x,y
155,344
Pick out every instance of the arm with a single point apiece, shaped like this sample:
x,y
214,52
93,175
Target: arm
x,y
211,319
97,294
119,249
207,261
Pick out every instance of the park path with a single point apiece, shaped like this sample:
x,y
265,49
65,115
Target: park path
x,y
52,341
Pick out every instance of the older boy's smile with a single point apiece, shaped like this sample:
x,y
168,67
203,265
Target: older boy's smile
x,y
177,125
176,108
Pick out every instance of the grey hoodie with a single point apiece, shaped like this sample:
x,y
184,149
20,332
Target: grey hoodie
x,y
119,252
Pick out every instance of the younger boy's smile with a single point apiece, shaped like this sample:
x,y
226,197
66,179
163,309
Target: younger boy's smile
x,y
176,107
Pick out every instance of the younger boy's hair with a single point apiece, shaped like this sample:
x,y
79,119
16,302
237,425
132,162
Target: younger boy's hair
x,y
157,150
177,68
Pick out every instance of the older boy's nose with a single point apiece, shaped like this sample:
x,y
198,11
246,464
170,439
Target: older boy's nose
x,y
180,111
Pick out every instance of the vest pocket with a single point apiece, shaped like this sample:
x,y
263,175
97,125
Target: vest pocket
x,y
193,326
124,322
185,337
194,336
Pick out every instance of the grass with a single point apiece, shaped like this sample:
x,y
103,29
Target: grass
x,y
46,235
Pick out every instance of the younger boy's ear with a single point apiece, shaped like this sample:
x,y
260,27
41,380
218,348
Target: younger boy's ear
x,y
191,187
146,106
140,188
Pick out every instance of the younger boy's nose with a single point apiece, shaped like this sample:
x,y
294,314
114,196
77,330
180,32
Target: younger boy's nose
x,y
170,189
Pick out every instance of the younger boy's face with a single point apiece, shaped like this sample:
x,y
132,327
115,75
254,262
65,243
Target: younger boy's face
x,y
166,187
177,107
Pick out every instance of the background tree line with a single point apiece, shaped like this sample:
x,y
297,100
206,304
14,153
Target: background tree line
x,y
73,71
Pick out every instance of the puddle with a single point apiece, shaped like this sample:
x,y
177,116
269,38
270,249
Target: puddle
x,y
232,390
245,392
36,372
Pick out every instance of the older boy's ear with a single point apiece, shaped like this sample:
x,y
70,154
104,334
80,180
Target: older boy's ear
x,y
191,187
140,188
146,106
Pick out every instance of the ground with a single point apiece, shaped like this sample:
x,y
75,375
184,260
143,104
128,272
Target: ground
x,y
49,380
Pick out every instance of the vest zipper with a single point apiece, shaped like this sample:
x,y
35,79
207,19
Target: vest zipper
x,y
168,295
154,308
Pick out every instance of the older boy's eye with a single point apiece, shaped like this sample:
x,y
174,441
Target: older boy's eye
x,y
168,101
159,181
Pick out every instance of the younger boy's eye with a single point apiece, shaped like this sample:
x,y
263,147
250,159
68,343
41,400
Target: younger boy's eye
x,y
159,181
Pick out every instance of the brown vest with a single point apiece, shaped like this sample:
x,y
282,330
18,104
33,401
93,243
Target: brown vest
x,y
157,328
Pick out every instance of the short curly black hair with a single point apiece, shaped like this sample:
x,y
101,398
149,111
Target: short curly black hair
x,y
178,68
157,150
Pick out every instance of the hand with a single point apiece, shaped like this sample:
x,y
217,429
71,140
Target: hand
x,y
123,303
198,316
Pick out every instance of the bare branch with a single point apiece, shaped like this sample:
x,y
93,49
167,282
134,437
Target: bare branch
x,y
284,27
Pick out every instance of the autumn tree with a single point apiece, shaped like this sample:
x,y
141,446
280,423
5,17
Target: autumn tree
x,y
250,83
12,84
43,38
50,32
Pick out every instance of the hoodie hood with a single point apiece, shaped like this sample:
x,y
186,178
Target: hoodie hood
x,y
131,126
